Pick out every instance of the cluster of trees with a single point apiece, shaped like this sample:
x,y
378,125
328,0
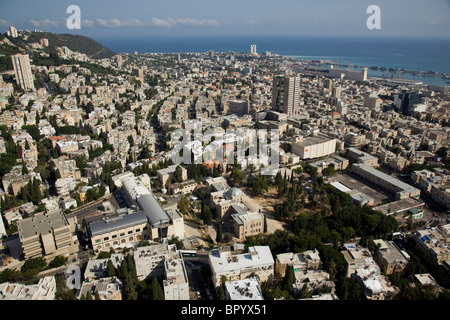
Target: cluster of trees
x,y
205,213
30,269
198,171
258,184
31,192
109,170
8,159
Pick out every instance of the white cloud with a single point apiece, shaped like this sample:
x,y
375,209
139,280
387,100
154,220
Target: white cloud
x,y
163,23
169,22
114,22
87,23
157,22
45,23
4,22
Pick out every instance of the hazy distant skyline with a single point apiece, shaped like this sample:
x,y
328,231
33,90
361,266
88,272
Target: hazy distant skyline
x,y
187,18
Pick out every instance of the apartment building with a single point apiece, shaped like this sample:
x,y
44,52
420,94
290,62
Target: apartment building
x,y
107,288
175,285
149,260
359,156
286,95
435,241
22,71
356,257
307,260
45,289
389,257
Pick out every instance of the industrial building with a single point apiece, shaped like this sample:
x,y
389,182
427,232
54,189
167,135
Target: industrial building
x,y
314,147
399,189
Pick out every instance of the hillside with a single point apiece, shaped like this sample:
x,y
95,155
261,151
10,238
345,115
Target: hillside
x,y
82,44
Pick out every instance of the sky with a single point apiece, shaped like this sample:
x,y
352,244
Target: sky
x,y
109,19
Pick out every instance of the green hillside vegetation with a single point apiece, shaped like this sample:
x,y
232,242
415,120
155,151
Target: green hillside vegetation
x,y
81,44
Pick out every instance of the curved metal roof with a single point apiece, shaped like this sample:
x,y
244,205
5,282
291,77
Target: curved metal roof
x,y
153,210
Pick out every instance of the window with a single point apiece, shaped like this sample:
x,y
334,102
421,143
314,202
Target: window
x,y
138,230
145,228
98,241
131,238
123,240
105,238
114,236
130,232
122,234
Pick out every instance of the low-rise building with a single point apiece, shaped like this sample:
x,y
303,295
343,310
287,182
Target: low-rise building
x,y
96,269
389,257
315,281
307,260
107,288
45,289
400,189
245,289
258,261
247,224
356,257
167,174
375,285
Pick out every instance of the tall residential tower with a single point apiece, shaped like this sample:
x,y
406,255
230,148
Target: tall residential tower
x,y
22,70
286,95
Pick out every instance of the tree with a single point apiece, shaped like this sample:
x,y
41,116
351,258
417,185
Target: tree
x,y
24,169
237,175
89,296
288,280
97,295
110,269
219,231
156,292
58,261
178,174
304,292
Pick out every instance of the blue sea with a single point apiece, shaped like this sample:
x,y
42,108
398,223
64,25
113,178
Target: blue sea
x,y
410,53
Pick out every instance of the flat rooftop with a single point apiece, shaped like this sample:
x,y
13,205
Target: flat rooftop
x,y
41,223
228,262
246,289
355,183
399,206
